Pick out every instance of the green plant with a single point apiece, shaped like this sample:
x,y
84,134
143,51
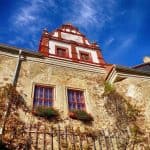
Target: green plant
x,y
88,147
132,112
108,88
47,112
80,115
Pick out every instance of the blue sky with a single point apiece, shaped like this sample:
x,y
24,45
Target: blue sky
x,y
120,27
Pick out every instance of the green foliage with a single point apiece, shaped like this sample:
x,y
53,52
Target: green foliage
x,y
47,112
81,115
108,88
132,112
87,147
125,115
136,134
134,130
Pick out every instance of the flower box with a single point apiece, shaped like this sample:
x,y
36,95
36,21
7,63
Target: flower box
x,y
46,112
80,115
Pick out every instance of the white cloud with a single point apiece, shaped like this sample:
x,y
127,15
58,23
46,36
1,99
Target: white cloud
x,y
27,21
126,43
17,39
91,13
31,17
109,41
82,13
30,13
123,47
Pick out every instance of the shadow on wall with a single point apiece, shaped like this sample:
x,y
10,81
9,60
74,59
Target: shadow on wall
x,y
126,116
10,102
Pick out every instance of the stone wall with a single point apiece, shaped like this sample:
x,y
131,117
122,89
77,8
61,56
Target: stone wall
x,y
7,69
137,92
61,78
33,72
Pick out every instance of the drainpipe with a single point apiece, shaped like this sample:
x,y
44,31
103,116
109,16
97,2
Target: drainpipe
x,y
17,69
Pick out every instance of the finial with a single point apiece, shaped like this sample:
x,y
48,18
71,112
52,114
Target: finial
x,y
95,44
45,31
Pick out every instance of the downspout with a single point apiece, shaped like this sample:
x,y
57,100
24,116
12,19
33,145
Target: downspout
x,y
17,69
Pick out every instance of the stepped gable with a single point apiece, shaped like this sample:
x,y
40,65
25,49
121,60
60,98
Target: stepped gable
x,y
67,42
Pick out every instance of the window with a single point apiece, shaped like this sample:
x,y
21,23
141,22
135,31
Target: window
x,y
75,99
61,52
43,96
85,56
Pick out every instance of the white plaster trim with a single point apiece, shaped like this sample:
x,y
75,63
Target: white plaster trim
x,y
63,63
114,74
69,64
55,34
53,43
133,76
1,130
69,36
91,51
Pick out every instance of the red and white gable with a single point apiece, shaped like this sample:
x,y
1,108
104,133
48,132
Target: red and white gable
x,y
68,43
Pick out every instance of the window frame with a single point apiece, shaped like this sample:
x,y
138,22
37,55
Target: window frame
x,y
63,48
43,85
84,98
85,53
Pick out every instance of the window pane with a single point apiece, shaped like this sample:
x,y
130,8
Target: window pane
x,y
75,99
74,96
61,52
36,92
43,96
84,56
50,93
35,102
70,95
47,93
50,103
40,102
78,96
46,102
78,106
41,92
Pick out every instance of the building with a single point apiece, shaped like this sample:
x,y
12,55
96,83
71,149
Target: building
x,y
67,73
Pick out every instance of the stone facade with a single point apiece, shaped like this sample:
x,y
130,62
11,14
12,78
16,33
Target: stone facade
x,y
61,78
137,92
111,111
7,68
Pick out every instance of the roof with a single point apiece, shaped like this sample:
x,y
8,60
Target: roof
x,y
143,67
118,73
132,70
12,49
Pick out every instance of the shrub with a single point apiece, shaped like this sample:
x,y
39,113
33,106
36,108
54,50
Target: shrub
x,y
47,112
108,88
80,115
